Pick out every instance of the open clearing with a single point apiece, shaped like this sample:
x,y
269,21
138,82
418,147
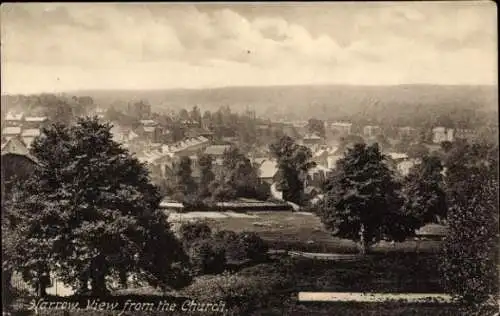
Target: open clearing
x,y
299,231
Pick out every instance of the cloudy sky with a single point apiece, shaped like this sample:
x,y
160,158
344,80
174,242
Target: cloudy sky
x,y
54,47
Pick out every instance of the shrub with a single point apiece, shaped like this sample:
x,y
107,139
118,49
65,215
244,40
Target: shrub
x,y
207,257
243,294
190,232
263,191
230,242
254,246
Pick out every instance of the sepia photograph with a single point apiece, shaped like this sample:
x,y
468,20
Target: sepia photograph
x,y
250,158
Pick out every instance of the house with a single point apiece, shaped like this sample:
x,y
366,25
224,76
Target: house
x,y
217,150
312,141
160,165
16,163
11,132
14,119
465,134
123,135
404,167
371,131
150,131
441,134
15,146
317,176
188,146
31,122
339,128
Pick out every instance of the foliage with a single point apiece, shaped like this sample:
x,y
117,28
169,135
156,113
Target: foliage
x,y
316,126
293,162
349,141
362,202
417,150
238,177
243,292
206,176
424,193
230,241
88,211
242,174
207,256
471,245
191,231
254,246
185,184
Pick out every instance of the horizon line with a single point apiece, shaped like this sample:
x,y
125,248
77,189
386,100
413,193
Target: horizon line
x,y
249,86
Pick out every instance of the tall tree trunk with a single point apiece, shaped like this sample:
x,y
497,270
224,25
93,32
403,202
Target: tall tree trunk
x,y
83,284
98,277
43,282
7,289
363,246
98,284
41,290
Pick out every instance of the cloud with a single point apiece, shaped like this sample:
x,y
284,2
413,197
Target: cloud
x,y
170,45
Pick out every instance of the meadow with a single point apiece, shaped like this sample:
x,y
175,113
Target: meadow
x,y
299,231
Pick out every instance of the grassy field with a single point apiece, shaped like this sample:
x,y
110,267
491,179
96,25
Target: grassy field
x,y
299,231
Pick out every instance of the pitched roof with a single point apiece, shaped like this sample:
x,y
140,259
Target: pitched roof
x,y
148,122
312,137
11,130
11,116
398,156
149,129
341,124
36,119
15,146
217,150
32,132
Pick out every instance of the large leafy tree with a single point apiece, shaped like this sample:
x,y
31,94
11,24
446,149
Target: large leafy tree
x,y
184,182
363,202
89,211
242,173
237,178
471,246
293,163
207,175
469,263
424,193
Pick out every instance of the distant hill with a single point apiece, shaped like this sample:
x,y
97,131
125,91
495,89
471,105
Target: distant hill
x,y
400,103
297,101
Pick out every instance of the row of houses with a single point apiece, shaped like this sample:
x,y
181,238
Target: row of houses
x,y
442,134
25,128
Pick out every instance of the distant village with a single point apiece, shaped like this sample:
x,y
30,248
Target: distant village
x,y
148,142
